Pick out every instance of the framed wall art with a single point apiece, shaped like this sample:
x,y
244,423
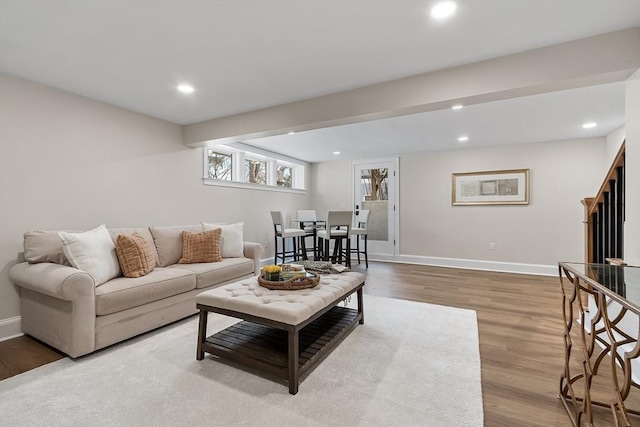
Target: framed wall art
x,y
506,187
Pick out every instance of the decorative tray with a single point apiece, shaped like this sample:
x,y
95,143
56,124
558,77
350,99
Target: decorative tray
x,y
310,280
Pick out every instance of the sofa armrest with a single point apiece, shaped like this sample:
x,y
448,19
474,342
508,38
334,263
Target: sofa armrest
x,y
58,281
57,305
254,251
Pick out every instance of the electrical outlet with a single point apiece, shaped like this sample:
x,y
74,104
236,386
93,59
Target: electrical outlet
x,y
492,246
266,244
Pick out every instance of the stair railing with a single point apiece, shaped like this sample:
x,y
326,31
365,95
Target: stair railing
x,y
604,215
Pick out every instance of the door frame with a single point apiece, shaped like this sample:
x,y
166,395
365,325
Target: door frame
x,y
396,195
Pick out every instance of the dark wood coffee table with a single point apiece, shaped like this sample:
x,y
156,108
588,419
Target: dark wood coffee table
x,y
281,348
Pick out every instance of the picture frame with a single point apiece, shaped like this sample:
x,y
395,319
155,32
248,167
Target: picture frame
x,y
503,187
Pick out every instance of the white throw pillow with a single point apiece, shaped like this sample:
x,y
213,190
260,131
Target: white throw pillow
x,y
93,252
231,240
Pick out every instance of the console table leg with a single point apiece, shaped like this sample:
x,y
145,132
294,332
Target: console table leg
x,y
294,346
361,305
202,334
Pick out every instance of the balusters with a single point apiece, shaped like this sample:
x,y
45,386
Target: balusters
x,y
605,216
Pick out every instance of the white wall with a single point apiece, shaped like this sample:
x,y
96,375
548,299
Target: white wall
x,y
544,232
331,187
68,162
632,171
614,142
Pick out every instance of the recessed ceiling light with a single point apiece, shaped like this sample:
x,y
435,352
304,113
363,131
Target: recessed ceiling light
x,y
336,152
463,139
291,133
443,9
185,88
589,125
456,107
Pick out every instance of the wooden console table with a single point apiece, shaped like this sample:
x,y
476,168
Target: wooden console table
x,y
605,302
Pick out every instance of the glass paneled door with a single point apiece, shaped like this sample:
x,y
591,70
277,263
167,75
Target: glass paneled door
x,y
375,190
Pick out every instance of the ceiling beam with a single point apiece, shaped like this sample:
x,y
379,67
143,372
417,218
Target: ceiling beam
x,y
594,60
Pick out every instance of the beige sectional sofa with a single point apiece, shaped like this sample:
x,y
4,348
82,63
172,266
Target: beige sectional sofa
x,y
62,306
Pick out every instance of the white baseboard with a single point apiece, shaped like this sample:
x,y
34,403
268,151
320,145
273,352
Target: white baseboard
x,y
10,328
468,264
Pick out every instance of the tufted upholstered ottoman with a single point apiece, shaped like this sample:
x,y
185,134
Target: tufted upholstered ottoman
x,y
285,333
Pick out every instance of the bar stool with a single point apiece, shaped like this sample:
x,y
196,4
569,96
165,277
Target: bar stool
x,y
339,230
284,233
361,231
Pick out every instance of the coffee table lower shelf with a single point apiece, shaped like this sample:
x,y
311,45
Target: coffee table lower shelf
x,y
267,349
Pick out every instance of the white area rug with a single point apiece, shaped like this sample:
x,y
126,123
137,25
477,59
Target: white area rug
x,y
410,364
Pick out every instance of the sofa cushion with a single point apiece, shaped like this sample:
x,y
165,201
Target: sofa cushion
x,y
44,246
208,274
134,255
231,240
93,252
123,293
168,241
143,231
201,247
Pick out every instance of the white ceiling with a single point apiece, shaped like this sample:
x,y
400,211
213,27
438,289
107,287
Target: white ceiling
x,y
547,117
251,54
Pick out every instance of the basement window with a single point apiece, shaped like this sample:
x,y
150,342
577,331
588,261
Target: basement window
x,y
255,171
284,176
242,166
219,166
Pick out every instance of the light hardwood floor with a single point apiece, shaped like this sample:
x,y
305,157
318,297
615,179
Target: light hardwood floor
x,y
520,332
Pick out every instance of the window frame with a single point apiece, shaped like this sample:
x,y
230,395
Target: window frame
x,y
253,158
240,152
224,153
279,164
